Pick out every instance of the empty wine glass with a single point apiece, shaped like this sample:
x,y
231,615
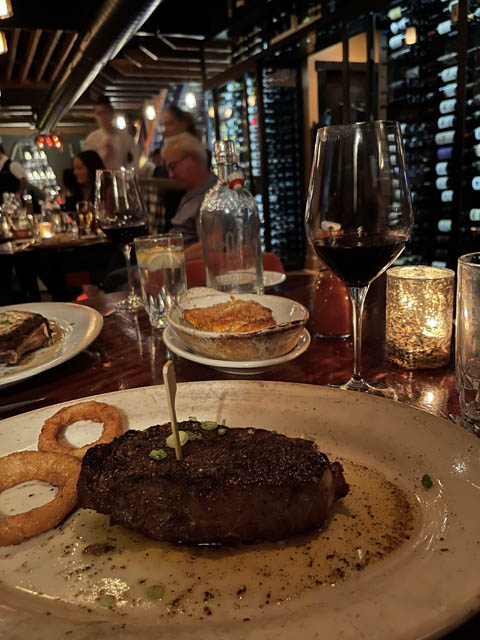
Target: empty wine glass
x,y
359,213
121,215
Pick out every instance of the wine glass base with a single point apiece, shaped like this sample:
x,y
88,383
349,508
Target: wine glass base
x,y
373,387
131,303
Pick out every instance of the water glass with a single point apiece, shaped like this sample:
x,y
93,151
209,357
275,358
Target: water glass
x,y
467,348
161,265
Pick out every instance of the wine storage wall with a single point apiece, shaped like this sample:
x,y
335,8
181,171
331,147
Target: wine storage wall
x,y
434,91
282,164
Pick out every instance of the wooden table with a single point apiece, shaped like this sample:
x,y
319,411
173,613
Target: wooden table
x,y
128,354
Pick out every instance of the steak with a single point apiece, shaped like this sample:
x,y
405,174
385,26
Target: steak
x,y
20,332
233,485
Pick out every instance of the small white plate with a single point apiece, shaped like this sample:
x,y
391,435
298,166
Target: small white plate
x,y
79,325
245,368
272,278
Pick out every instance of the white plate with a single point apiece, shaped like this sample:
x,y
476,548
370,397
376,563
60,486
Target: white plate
x,y
272,278
80,326
426,587
240,367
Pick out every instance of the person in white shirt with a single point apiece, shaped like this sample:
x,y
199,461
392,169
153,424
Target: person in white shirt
x,y
13,177
116,148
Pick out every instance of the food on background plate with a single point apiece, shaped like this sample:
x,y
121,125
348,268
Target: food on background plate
x,y
234,316
234,485
94,411
58,470
21,332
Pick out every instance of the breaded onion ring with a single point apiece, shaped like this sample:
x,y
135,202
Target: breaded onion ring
x,y
94,411
61,471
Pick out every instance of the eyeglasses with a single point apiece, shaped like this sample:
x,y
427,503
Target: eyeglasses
x,y
171,165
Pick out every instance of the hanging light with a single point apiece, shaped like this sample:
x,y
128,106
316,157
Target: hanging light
x,y
410,35
150,112
190,100
121,122
6,10
3,43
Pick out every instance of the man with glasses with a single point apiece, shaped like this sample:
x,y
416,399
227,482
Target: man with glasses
x,y
186,161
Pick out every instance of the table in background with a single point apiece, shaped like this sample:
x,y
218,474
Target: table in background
x,y
128,354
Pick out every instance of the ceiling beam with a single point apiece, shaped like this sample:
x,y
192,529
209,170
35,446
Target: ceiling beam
x,y
67,45
13,53
127,69
53,41
33,41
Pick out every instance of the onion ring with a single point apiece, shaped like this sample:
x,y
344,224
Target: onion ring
x,y
94,411
61,471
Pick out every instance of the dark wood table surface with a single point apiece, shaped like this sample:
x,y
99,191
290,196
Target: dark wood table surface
x,y
128,353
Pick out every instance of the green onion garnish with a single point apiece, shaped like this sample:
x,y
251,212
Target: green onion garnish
x,y
155,592
182,436
157,454
194,436
209,425
427,482
222,431
310,438
274,432
251,431
107,601
192,418
224,421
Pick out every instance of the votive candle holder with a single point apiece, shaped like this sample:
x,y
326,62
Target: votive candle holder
x,y
419,316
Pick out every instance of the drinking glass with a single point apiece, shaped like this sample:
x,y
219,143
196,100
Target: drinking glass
x,y
121,215
161,265
359,213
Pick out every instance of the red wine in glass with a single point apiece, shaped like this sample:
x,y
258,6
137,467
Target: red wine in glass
x,y
124,234
359,213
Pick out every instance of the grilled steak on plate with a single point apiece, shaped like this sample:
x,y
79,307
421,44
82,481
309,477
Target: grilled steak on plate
x,y
20,332
233,485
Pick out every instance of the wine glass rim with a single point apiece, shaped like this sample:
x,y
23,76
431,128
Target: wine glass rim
x,y
367,124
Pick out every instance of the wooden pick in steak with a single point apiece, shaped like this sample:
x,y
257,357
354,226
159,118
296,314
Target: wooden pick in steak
x,y
170,391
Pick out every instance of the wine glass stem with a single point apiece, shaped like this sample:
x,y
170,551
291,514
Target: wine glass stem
x,y
127,250
357,297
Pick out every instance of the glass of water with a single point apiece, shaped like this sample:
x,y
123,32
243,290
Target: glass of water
x,y
161,265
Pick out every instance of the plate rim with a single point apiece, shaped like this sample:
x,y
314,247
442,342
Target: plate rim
x,y
84,342
234,364
433,424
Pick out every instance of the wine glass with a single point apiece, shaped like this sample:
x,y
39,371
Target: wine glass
x,y
121,215
359,213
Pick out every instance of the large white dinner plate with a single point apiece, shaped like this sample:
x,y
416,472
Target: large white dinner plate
x,y
426,587
80,326
236,367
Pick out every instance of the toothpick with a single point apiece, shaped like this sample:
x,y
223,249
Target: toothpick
x,y
170,391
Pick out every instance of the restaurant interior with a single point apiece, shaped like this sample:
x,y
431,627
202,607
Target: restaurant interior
x,y
254,224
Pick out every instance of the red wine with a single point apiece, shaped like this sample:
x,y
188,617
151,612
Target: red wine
x,y
359,258
124,234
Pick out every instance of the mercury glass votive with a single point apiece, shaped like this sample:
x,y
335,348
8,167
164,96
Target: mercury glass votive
x,y
45,230
419,316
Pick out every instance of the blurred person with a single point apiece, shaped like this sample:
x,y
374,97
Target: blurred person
x,y
155,160
13,177
176,121
187,164
116,148
85,166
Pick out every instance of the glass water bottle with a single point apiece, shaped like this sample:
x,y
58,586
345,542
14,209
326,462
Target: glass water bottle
x,y
230,229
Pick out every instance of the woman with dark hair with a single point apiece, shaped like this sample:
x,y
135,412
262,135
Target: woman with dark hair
x,y
85,166
176,121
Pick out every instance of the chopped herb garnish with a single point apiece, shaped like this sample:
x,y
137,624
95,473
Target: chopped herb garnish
x,y
251,431
155,592
222,431
182,436
192,418
310,438
194,436
209,425
158,454
427,482
274,432
224,421
107,601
